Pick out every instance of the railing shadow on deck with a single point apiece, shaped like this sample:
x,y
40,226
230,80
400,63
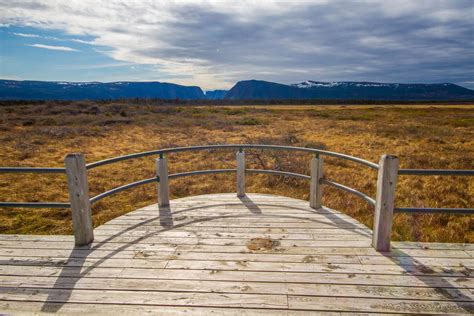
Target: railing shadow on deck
x,y
71,275
384,204
80,202
55,301
452,294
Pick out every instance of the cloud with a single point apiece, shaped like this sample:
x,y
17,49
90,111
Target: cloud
x,y
215,43
50,47
75,40
26,35
80,41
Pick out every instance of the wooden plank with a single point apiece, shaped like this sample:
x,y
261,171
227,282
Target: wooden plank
x,y
126,247
270,209
28,255
241,232
232,217
446,262
83,262
244,224
20,307
398,247
431,245
317,234
185,234
368,305
214,239
152,254
237,221
201,286
209,210
402,280
243,213
315,267
229,239
145,298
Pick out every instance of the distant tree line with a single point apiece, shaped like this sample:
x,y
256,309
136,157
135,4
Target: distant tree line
x,y
174,102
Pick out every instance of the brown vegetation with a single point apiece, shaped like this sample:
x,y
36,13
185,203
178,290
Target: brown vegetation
x,y
422,136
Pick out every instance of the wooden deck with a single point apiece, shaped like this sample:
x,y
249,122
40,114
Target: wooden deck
x,y
260,254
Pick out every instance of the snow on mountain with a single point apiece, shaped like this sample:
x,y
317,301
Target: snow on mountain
x,y
312,84
258,89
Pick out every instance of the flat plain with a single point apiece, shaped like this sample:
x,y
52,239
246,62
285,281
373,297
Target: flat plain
x,y
421,136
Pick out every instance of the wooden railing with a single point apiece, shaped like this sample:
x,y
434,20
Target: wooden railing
x,y
384,203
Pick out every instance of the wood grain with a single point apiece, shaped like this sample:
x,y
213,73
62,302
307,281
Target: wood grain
x,y
195,259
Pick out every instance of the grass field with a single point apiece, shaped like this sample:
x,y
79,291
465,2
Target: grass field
x,y
422,137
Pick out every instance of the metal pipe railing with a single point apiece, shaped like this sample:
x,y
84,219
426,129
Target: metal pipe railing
x,y
193,173
199,172
435,172
431,210
230,146
334,184
121,188
279,173
76,171
31,170
36,204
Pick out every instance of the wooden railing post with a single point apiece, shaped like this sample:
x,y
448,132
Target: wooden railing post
x,y
316,188
385,202
79,198
240,173
163,187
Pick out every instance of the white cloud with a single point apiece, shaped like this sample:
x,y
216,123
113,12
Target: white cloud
x,y
50,47
54,38
26,35
215,43
79,41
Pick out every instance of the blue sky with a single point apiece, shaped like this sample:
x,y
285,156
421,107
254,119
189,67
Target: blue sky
x,y
34,53
213,44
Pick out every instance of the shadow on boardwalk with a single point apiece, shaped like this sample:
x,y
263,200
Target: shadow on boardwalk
x,y
67,279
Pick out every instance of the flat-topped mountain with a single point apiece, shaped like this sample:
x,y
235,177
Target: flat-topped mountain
x,y
47,90
258,89
242,90
215,94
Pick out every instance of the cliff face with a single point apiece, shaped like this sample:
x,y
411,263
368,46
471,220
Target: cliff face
x,y
45,90
242,90
256,89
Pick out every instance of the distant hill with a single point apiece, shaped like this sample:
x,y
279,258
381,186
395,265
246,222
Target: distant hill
x,y
47,90
242,90
215,94
257,89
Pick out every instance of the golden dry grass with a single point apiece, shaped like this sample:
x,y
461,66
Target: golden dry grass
x,y
422,137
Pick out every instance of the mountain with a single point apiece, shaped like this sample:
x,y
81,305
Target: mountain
x,y
215,94
47,90
242,90
257,89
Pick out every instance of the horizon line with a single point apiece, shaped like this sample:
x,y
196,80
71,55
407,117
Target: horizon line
x,y
205,90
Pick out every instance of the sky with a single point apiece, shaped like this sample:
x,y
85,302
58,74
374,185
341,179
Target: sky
x,y
214,44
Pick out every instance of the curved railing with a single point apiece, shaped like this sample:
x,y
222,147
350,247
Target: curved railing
x,y
76,171
230,146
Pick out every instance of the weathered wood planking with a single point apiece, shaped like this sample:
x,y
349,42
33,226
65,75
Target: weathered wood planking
x,y
197,259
